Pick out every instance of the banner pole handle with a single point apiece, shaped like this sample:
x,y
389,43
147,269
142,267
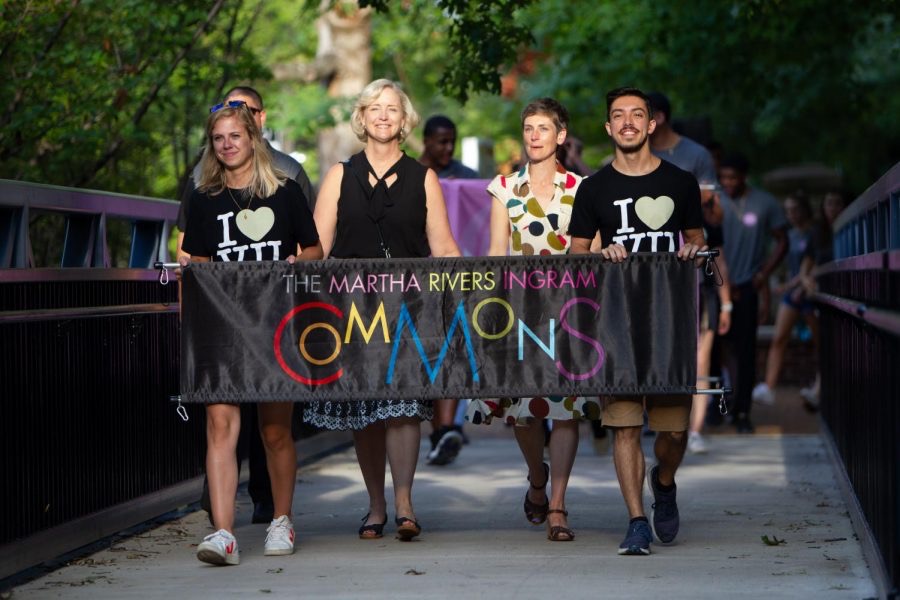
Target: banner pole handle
x,y
721,393
164,270
180,410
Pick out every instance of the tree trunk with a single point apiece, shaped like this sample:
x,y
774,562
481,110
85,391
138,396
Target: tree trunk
x,y
345,41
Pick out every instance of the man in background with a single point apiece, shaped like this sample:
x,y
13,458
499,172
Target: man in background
x,y
440,143
751,217
715,300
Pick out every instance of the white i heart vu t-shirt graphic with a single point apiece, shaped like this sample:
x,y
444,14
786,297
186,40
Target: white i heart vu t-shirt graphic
x,y
654,213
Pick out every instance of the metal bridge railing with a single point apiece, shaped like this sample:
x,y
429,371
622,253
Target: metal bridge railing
x,y
87,215
859,301
89,441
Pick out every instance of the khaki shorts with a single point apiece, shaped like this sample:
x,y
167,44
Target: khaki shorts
x,y
664,413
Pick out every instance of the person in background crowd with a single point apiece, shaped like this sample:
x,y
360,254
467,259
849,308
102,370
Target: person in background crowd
x,y
715,296
250,445
411,222
237,178
605,204
530,212
440,142
439,136
569,155
821,251
793,295
751,217
715,319
680,150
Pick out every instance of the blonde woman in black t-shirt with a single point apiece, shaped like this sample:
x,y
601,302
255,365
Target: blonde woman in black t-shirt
x,y
244,209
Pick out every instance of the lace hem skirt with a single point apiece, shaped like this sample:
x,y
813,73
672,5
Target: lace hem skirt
x,y
358,414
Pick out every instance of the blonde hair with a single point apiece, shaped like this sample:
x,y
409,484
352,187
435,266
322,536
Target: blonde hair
x,y
264,181
369,94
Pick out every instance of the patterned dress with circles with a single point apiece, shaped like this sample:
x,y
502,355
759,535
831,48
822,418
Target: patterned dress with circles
x,y
535,230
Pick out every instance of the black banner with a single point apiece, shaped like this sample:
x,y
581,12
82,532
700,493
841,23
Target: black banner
x,y
438,328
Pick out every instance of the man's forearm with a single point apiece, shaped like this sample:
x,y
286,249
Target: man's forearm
x,y
580,245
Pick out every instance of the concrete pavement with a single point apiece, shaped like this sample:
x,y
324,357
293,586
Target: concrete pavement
x,y
477,544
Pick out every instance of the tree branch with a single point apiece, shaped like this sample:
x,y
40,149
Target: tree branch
x,y
142,109
20,89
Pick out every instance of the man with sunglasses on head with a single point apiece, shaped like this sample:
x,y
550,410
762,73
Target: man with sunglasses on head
x,y
250,445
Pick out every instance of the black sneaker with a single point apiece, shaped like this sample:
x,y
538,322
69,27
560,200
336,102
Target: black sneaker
x,y
446,447
206,503
664,512
263,512
742,423
637,540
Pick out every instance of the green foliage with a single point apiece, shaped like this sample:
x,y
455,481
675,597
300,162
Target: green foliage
x,y
482,38
114,95
410,44
105,94
784,82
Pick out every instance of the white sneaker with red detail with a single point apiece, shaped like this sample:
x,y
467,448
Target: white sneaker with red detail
x,y
219,548
280,539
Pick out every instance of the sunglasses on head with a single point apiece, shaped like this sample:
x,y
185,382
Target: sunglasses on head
x,y
235,104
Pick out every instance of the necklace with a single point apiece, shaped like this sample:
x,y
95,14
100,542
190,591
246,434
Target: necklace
x,y
240,209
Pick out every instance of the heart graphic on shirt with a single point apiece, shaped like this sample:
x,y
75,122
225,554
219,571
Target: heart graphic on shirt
x,y
654,212
255,224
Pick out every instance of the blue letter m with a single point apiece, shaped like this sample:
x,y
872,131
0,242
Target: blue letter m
x,y
405,320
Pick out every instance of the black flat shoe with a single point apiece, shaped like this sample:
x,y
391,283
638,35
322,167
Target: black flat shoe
x,y
372,531
407,528
537,513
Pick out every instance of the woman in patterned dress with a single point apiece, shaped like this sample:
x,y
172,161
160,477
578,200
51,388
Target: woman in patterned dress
x,y
412,222
530,216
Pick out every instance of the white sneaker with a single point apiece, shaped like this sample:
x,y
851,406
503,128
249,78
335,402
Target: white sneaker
x,y
763,394
219,548
696,443
810,399
280,540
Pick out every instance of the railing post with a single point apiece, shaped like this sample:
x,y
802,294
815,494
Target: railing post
x,y
15,246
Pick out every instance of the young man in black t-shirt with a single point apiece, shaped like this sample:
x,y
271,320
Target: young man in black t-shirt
x,y
640,203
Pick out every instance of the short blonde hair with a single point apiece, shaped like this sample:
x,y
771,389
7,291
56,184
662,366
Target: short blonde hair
x,y
266,177
368,96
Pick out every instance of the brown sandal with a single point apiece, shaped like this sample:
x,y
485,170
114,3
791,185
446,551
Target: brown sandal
x,y
556,533
407,528
537,513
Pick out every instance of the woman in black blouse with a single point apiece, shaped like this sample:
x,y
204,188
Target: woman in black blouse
x,y
409,220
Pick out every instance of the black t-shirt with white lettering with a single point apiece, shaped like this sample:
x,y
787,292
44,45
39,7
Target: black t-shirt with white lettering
x,y
644,213
224,228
